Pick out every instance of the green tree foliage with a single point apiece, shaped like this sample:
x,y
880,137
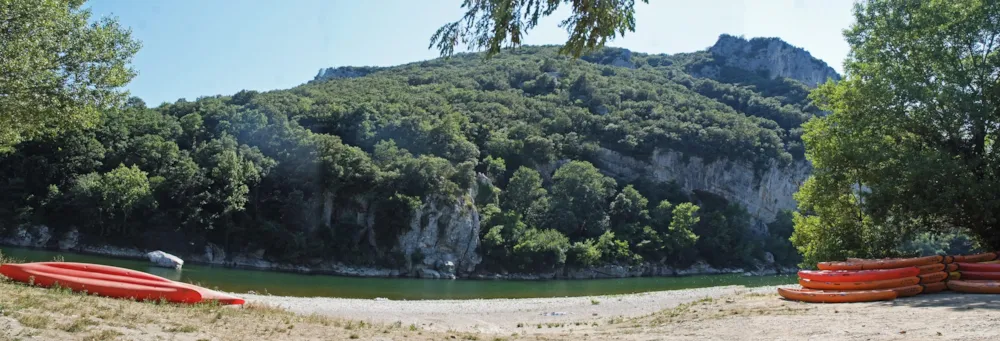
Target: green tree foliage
x,y
724,236
909,145
951,243
615,250
580,194
494,24
58,71
628,212
584,253
114,196
541,250
524,194
682,223
335,169
779,232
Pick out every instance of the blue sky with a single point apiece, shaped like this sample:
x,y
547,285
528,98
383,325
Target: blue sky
x,y
194,48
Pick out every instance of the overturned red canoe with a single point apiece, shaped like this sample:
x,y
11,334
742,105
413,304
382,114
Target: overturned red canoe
x,y
926,269
112,282
977,275
975,287
931,288
817,296
982,257
933,277
867,285
893,263
978,267
858,275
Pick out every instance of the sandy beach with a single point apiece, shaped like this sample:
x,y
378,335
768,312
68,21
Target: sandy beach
x,y
719,313
501,316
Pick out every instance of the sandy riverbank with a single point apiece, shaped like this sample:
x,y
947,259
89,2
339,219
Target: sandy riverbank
x,y
500,316
720,313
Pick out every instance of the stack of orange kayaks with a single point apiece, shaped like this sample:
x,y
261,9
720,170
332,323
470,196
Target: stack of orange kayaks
x,y
981,277
860,280
112,281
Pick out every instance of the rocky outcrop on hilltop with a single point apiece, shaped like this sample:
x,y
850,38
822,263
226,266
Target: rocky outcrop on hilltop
x,y
773,55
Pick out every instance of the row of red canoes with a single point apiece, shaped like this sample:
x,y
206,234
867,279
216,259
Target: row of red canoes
x,y
112,281
865,280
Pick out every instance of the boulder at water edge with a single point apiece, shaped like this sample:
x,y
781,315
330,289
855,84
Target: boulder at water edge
x,y
166,260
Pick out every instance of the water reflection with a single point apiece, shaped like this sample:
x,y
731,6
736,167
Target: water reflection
x,y
171,274
289,284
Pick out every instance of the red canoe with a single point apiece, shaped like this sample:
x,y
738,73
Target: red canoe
x,y
206,294
816,296
112,282
874,264
977,267
926,269
982,257
975,275
857,275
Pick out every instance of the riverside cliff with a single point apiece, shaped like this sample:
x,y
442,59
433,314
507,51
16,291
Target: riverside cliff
x,y
526,165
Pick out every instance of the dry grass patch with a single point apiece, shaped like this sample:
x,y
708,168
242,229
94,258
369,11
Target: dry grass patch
x,y
60,314
751,304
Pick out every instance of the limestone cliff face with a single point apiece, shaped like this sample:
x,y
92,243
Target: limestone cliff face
x,y
443,238
762,196
773,55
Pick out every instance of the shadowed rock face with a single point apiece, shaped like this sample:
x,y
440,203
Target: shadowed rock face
x,y
775,56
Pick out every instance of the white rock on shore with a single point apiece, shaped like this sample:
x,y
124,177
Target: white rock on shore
x,y
166,260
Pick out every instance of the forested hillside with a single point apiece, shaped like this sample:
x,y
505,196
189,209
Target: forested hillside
x,y
340,168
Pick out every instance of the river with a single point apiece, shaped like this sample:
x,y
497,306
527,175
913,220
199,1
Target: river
x,y
302,285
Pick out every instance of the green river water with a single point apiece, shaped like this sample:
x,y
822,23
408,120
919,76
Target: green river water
x,y
290,284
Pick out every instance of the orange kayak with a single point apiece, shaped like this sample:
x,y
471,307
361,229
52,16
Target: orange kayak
x,y
836,296
926,269
840,266
933,277
907,291
858,275
977,287
904,262
950,267
112,282
978,267
931,288
869,285
982,257
976,275
893,263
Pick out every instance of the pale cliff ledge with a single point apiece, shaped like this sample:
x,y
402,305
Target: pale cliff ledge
x,y
777,57
763,193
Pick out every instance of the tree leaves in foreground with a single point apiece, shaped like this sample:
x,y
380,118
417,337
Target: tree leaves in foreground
x,y
910,144
495,24
57,71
